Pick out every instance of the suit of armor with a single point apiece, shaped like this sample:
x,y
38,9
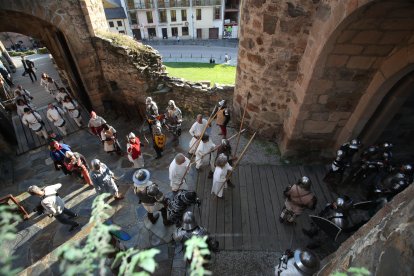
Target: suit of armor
x,y
179,204
298,263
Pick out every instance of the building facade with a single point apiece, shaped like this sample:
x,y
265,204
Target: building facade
x,y
115,14
181,19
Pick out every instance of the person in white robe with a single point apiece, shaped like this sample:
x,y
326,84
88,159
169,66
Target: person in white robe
x,y
177,169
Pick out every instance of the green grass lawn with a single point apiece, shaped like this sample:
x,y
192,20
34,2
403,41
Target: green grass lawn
x,y
192,71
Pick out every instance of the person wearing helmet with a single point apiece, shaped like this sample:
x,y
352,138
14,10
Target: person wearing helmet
x,y
177,170
181,201
298,263
103,179
95,124
225,148
223,117
134,151
149,195
174,119
204,154
151,112
298,197
190,228
221,173
158,139
196,130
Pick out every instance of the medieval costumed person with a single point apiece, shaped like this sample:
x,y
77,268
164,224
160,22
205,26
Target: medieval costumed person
x,y
179,204
204,154
61,94
177,169
220,176
43,81
53,204
96,124
158,139
34,121
20,107
149,195
134,151
298,263
196,130
151,112
57,153
55,115
51,86
76,162
109,140
225,148
174,119
73,109
190,228
103,179
223,117
21,93
298,197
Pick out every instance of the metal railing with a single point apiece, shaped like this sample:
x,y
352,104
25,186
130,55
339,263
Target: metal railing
x,y
173,4
206,3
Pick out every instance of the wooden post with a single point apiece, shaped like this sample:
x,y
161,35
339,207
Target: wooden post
x,y
241,123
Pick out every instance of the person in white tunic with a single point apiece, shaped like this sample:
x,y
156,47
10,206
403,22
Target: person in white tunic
x,y
20,106
53,204
43,81
177,169
103,179
108,137
96,124
204,154
220,175
51,86
55,115
34,121
196,130
73,109
60,95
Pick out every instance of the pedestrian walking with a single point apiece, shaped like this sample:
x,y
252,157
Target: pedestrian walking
x,y
73,109
298,198
29,68
57,154
43,81
103,179
76,162
204,154
220,176
53,204
134,151
34,121
109,140
55,115
177,170
96,124
196,130
51,86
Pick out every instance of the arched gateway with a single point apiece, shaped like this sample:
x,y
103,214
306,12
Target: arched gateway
x,y
319,70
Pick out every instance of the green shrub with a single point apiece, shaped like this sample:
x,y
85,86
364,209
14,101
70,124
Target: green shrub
x,y
43,50
25,53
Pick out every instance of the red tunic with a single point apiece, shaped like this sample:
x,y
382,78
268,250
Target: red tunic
x,y
135,148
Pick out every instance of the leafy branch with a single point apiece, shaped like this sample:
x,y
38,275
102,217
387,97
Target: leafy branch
x,y
8,220
196,251
354,271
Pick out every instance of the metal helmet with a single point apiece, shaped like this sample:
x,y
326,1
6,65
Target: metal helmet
x,y
153,190
222,103
131,135
344,203
148,100
355,144
306,261
171,103
189,222
400,176
221,160
96,164
225,142
190,197
387,145
305,182
407,168
340,153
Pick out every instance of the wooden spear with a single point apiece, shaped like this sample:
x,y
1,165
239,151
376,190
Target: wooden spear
x,y
238,161
210,119
241,123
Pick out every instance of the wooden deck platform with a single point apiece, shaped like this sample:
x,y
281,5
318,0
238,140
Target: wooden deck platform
x,y
247,218
28,140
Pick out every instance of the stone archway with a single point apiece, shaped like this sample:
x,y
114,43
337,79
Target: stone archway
x,y
66,28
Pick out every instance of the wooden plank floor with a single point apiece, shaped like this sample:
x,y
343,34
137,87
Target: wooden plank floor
x,y
28,140
247,218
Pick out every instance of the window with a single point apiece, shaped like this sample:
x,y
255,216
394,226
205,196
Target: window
x,y
149,17
133,18
184,15
174,31
131,4
217,13
198,12
173,16
184,31
121,32
119,23
111,24
163,16
152,32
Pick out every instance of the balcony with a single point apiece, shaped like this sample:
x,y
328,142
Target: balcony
x,y
198,3
144,5
173,4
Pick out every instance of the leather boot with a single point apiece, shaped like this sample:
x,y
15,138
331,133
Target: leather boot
x,y
165,220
